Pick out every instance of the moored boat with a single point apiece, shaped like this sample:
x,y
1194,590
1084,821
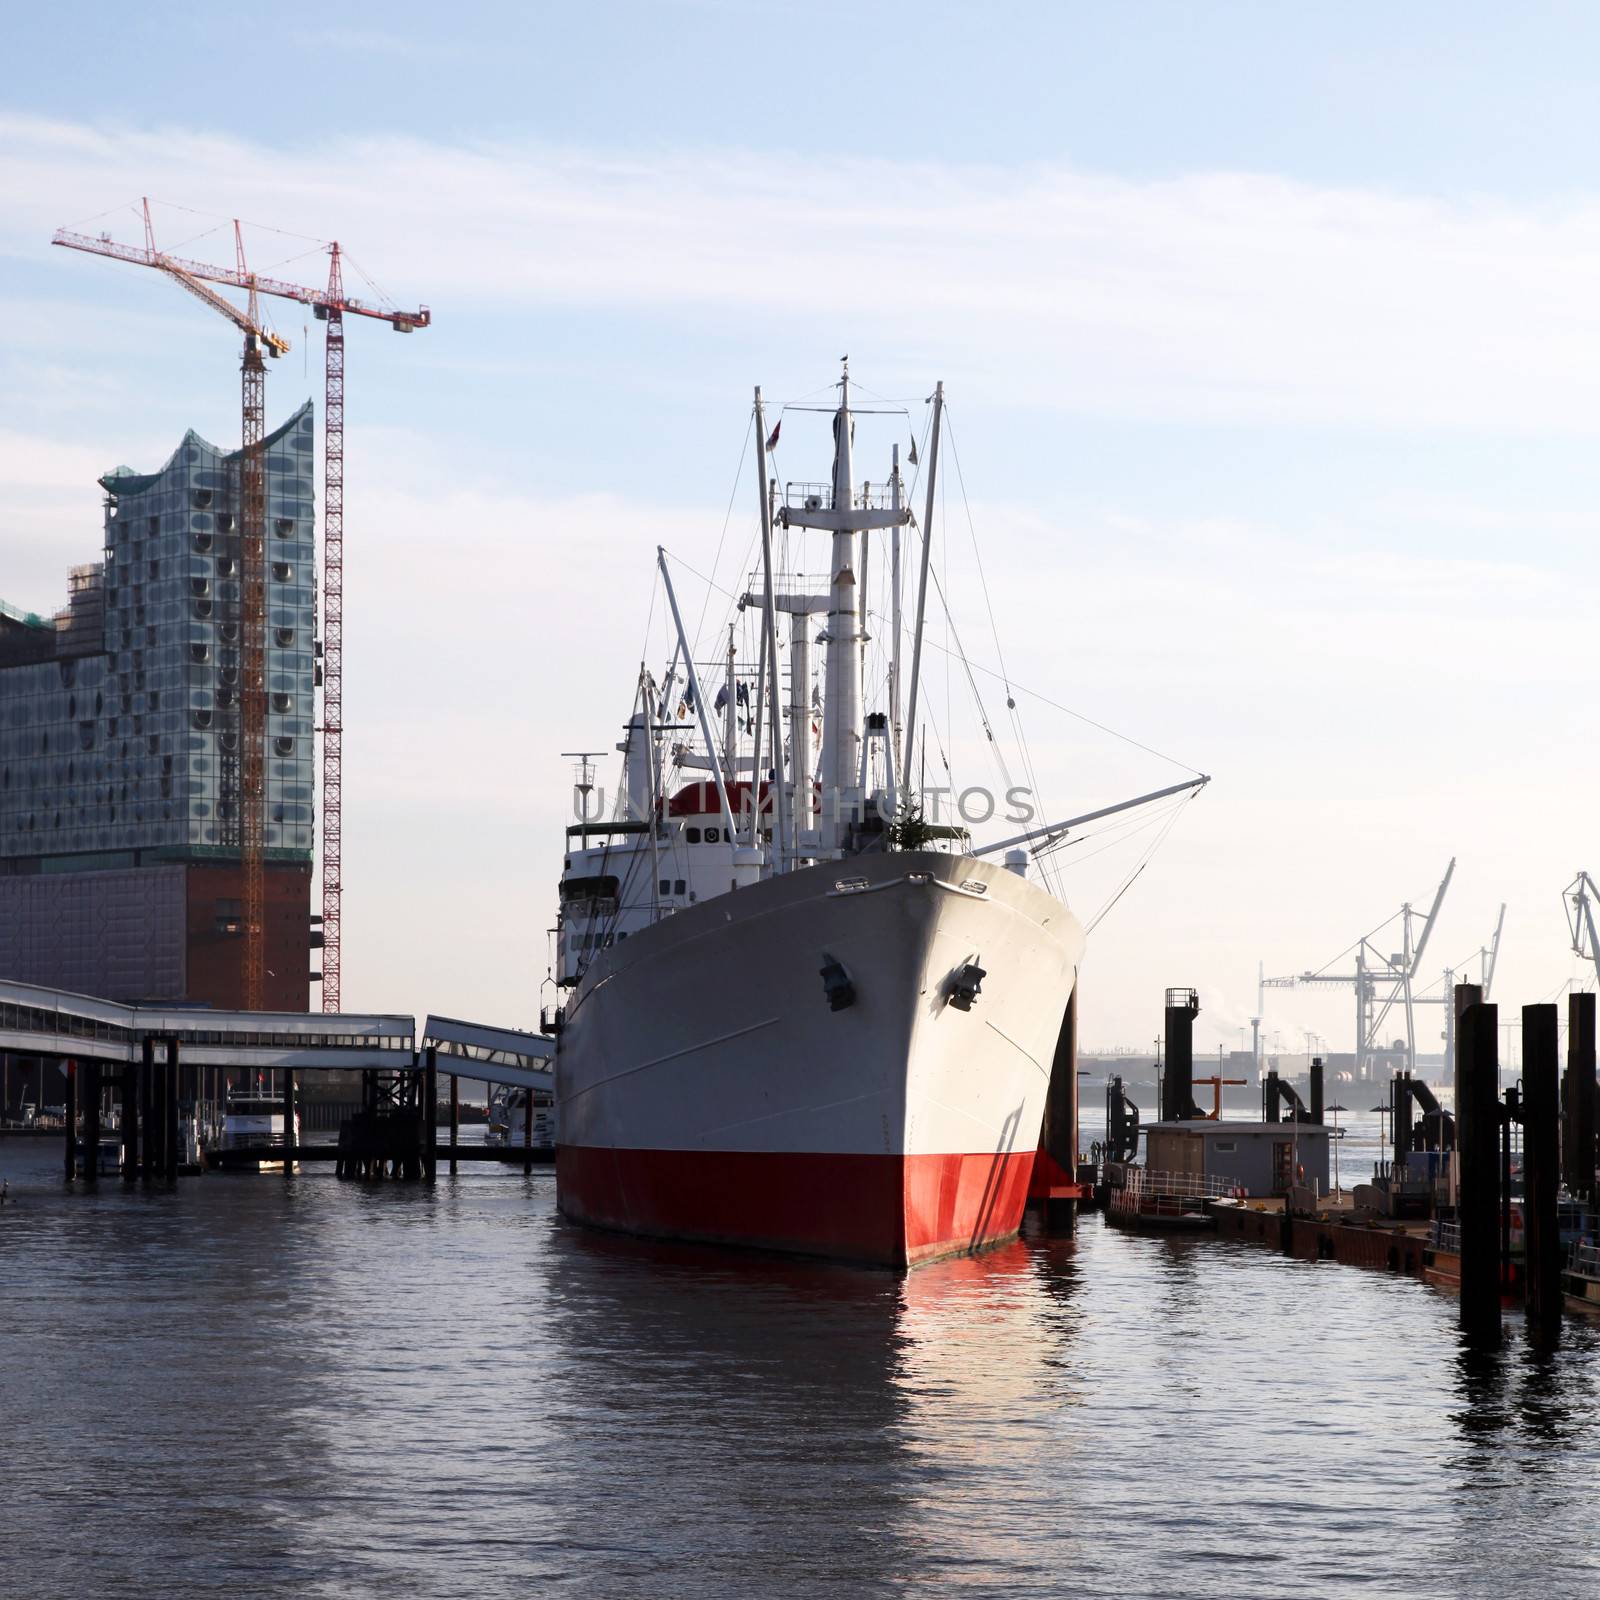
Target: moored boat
x,y
252,1133
799,1015
507,1126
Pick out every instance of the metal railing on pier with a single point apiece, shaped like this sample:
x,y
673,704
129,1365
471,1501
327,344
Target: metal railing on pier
x,y
1446,1236
1184,1185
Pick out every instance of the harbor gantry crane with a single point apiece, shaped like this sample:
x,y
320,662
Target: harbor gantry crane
x,y
1579,901
329,306
244,775
1394,973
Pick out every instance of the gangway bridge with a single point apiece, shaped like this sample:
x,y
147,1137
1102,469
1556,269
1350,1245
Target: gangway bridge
x,y
159,1053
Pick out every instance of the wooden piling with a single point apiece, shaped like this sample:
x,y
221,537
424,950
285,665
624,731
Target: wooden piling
x,y
156,1142
1578,1161
70,1118
147,1107
1541,1127
430,1103
289,1137
527,1133
89,1094
171,1112
1477,1149
455,1119
130,1122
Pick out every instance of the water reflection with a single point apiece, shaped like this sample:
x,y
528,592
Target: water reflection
x,y
816,1417
342,1390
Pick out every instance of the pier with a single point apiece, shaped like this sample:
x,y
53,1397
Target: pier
x,y
1443,1207
148,1070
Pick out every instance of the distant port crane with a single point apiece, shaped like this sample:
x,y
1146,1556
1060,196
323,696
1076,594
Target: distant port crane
x,y
329,306
1579,900
1395,973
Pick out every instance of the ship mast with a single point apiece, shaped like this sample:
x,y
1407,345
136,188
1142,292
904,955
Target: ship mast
x,y
769,641
922,580
842,716
896,727
841,692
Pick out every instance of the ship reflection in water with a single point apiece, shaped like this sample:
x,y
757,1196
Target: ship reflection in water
x,y
328,1389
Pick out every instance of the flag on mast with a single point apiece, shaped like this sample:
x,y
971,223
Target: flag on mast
x,y
777,428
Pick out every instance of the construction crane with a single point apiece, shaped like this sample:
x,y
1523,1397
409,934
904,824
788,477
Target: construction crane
x,y
1375,970
244,774
329,306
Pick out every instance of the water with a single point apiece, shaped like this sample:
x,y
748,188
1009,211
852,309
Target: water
x,y
341,1390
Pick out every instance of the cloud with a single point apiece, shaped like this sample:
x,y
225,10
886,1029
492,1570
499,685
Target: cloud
x,y
1215,297
1355,691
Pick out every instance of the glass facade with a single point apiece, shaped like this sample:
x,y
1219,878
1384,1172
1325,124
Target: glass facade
x,y
119,718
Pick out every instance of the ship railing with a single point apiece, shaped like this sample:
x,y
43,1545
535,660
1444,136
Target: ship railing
x,y
252,1141
1446,1236
808,496
1185,1185
1584,1258
819,497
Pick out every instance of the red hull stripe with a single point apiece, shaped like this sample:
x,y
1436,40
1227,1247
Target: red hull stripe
x,y
885,1210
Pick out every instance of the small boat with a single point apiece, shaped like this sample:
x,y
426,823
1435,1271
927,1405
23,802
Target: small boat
x,y
109,1162
1580,1280
508,1120
254,1123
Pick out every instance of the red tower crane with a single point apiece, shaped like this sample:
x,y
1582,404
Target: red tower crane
x,y
330,306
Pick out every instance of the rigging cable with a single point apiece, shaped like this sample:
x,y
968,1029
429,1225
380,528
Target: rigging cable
x,y
733,495
1029,770
1144,861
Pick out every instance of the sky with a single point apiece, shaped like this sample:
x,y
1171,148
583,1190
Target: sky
x,y
1270,339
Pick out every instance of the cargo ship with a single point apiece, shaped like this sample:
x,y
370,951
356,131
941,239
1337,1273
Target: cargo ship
x,y
798,1014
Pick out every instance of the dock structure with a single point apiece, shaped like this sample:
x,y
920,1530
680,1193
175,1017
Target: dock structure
x,y
1442,1207
153,1060
508,1056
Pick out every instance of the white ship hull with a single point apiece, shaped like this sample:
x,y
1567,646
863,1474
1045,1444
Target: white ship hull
x,y
708,1091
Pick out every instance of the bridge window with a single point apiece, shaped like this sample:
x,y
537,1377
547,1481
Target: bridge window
x,y
602,887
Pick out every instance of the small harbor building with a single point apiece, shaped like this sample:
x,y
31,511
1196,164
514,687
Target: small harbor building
x,y
1259,1158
